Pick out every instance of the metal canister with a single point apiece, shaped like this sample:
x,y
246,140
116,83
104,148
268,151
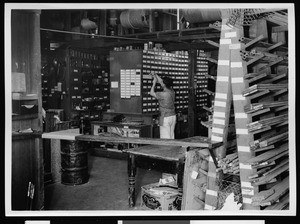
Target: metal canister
x,y
74,163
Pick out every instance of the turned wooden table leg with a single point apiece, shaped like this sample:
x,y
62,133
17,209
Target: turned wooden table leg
x,y
131,178
180,173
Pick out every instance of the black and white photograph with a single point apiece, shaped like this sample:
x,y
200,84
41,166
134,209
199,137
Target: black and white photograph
x,y
150,109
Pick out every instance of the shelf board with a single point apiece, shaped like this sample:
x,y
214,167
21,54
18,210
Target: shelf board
x,y
24,117
20,135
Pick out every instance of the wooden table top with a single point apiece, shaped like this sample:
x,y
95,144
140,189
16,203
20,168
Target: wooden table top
x,y
68,134
170,153
196,141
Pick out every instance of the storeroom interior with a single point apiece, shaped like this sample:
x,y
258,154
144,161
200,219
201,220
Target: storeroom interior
x,y
87,131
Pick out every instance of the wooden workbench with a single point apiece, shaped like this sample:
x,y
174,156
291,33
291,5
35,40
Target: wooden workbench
x,y
162,149
161,152
197,141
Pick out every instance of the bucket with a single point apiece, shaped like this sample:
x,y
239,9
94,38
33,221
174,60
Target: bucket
x,y
74,163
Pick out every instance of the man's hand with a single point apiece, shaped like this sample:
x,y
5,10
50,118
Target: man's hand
x,y
154,76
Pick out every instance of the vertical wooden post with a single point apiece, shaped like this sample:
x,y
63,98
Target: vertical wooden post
x,y
191,101
221,113
167,21
26,58
131,178
102,22
238,69
180,173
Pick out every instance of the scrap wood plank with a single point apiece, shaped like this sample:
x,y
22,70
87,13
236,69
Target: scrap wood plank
x,y
253,41
281,108
267,140
263,105
258,77
282,163
276,21
212,60
209,92
200,182
267,128
282,204
278,29
265,148
279,77
268,155
274,139
271,175
272,63
258,87
264,165
260,112
254,59
280,92
269,45
282,124
209,109
270,161
267,122
270,48
192,181
259,94
215,44
251,75
210,77
215,27
199,201
207,124
259,173
262,195
280,189
266,137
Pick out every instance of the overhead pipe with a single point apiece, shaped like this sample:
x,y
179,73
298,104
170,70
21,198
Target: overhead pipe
x,y
201,15
134,18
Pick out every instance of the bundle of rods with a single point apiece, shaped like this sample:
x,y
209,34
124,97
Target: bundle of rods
x,y
260,87
229,164
259,106
267,122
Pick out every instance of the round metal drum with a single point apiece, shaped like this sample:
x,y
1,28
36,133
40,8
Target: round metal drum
x,y
75,176
74,163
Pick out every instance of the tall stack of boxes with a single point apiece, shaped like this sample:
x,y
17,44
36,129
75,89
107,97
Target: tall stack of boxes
x,y
131,80
88,83
174,65
84,91
201,79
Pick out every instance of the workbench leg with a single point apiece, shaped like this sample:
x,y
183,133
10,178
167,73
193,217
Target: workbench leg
x,y
131,178
180,173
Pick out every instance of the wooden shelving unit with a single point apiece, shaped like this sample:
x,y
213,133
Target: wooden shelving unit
x,y
251,97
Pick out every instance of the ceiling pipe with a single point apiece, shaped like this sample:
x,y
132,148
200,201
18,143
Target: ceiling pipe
x,y
201,15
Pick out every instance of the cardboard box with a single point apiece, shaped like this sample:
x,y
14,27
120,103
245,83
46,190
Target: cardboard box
x,y
154,197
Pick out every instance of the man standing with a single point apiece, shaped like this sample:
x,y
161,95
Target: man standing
x,y
166,99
